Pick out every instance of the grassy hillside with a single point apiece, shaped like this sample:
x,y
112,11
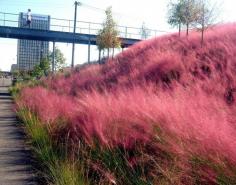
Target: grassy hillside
x,y
161,112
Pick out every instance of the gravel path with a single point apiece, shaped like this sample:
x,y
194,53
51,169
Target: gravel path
x,y
15,160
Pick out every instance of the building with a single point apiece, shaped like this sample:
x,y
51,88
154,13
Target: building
x,y
14,67
30,52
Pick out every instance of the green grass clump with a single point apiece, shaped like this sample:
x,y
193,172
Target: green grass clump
x,y
54,164
15,90
66,173
64,163
18,86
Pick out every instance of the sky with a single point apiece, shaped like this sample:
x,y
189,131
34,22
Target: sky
x,y
126,12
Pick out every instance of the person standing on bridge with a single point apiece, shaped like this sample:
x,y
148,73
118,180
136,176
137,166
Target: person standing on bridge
x,y
29,17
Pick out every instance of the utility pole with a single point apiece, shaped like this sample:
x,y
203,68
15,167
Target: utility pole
x,y
73,45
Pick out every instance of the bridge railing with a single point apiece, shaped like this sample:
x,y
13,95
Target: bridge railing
x,y
8,19
66,25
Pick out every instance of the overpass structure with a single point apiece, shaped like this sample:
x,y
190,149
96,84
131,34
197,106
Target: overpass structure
x,y
63,30
55,36
83,27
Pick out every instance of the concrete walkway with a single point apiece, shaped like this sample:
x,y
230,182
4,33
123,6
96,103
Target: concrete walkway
x,y
15,160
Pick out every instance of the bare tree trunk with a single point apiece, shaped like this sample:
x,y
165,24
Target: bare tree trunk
x,y
99,56
108,52
187,31
188,16
113,50
203,25
202,37
179,28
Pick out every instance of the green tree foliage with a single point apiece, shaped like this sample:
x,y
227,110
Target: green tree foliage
x,y
16,73
108,36
206,16
191,13
37,71
183,12
100,42
59,59
197,13
45,66
176,14
41,69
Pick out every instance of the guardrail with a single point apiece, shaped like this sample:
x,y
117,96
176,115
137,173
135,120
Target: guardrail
x,y
66,25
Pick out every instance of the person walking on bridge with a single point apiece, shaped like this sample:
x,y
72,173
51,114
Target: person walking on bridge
x,y
29,17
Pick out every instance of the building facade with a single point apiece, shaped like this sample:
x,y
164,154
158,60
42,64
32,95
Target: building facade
x,y
30,52
14,67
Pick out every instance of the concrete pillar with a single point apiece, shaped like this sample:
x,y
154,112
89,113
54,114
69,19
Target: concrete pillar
x,y
53,58
89,45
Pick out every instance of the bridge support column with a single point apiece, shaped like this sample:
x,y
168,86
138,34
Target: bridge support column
x,y
99,56
53,58
89,45
73,55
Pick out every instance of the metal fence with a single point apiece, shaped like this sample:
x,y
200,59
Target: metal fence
x,y
66,25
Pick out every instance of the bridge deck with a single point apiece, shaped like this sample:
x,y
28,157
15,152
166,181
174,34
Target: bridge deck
x,y
56,36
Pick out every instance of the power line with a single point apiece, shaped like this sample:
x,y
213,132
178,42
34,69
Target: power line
x,y
92,7
120,15
103,10
62,5
97,9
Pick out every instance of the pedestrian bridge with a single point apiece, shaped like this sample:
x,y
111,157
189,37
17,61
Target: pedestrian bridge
x,y
55,36
61,30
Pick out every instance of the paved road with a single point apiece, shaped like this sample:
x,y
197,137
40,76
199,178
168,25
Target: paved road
x,y
15,160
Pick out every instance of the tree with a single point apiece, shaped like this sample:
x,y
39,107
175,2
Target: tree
x,y
116,43
108,36
45,66
176,14
59,59
191,13
100,43
16,73
41,69
184,12
206,16
144,31
37,71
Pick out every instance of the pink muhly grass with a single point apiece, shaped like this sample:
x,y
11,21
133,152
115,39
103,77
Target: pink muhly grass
x,y
110,119
203,121
129,116
46,104
170,83
162,61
